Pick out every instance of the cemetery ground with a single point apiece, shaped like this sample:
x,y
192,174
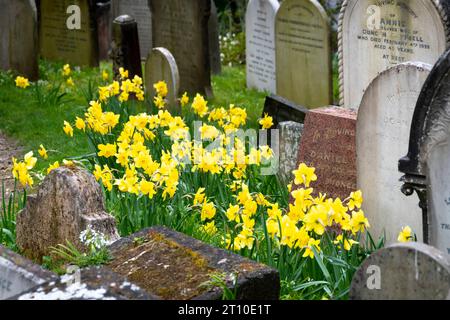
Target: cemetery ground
x,y
82,119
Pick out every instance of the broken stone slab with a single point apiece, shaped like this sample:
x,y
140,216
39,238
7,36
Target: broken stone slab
x,y
18,274
290,137
412,271
68,201
173,266
94,283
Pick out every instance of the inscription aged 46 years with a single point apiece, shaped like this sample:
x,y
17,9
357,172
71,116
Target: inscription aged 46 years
x,y
376,35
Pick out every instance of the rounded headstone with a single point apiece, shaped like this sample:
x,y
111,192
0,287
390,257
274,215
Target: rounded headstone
x,y
260,44
161,66
383,125
376,35
303,53
410,271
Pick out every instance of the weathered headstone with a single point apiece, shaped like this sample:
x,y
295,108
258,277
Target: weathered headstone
x,y
329,145
303,53
18,37
290,137
282,110
260,44
68,201
412,271
375,35
125,50
427,166
161,66
384,122
171,265
68,32
94,283
140,11
18,274
214,44
181,26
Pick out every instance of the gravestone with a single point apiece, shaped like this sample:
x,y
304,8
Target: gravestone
x,y
61,38
260,44
412,271
290,137
125,50
426,167
161,66
140,11
329,145
282,110
181,26
375,35
18,274
68,201
104,30
214,44
384,122
18,37
303,53
95,283
171,265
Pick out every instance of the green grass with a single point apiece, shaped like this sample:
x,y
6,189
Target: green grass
x,y
31,124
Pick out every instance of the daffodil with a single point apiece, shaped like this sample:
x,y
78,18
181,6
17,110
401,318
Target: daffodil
x,y
208,211
359,222
406,235
43,152
161,89
68,129
66,71
199,196
304,175
266,122
356,200
123,73
22,82
53,166
107,150
184,99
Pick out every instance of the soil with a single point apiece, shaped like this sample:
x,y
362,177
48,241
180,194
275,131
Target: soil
x,y
8,149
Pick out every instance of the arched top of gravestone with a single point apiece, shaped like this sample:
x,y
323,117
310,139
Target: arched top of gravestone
x,y
348,6
431,121
170,59
407,271
287,5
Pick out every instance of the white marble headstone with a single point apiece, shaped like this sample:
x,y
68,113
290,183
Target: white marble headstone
x,y
376,35
383,127
140,11
260,47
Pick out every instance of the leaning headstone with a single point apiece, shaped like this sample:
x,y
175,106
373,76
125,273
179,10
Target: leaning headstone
x,y
303,53
171,265
412,271
427,166
260,44
68,201
18,37
384,122
290,137
140,11
18,274
181,26
125,50
214,44
161,66
68,32
282,110
375,35
329,145
94,283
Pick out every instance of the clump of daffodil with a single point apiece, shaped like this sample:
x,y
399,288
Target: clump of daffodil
x,y
21,169
22,82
